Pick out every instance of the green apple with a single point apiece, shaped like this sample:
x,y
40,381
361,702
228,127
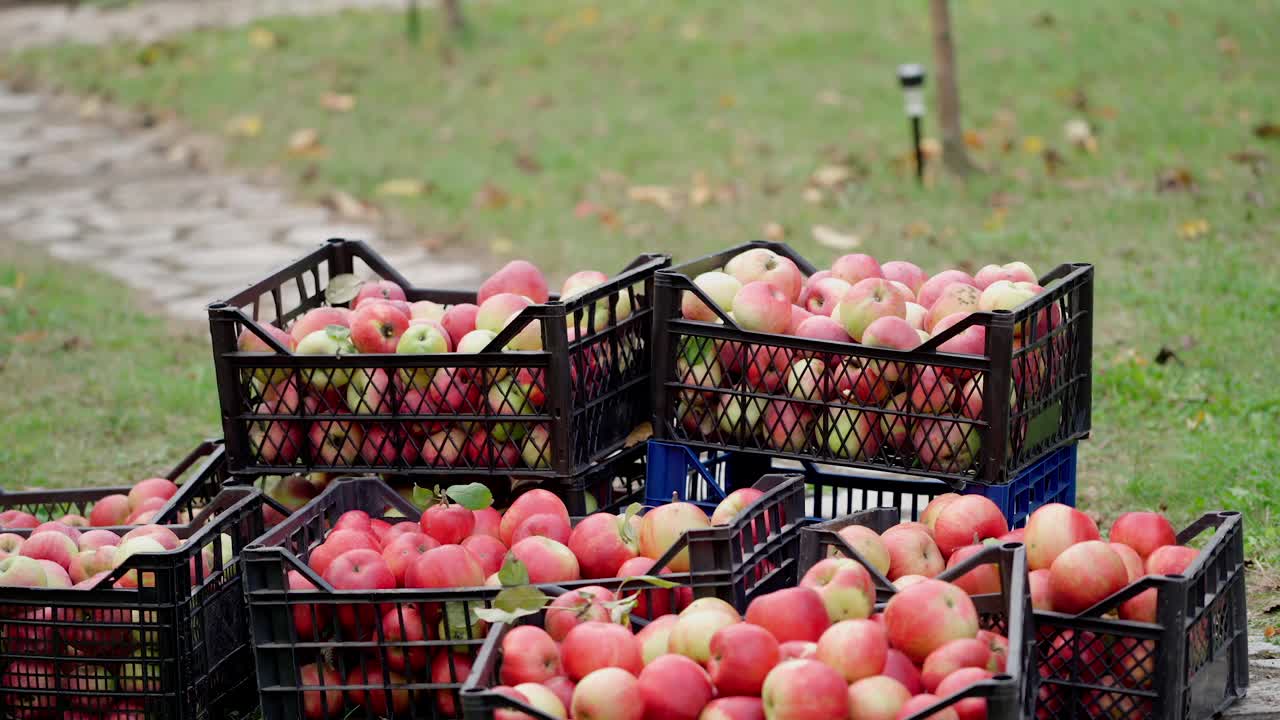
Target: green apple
x,y
424,339
333,340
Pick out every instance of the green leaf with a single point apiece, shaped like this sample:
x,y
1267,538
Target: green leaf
x,y
514,603
625,529
423,497
473,496
338,332
620,609
459,620
342,289
513,572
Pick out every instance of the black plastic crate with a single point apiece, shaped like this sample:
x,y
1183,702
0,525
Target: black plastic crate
x,y
200,477
588,388
1028,394
1191,664
1010,695
176,647
723,565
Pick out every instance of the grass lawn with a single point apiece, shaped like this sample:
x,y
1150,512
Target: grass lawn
x,y
100,391
578,134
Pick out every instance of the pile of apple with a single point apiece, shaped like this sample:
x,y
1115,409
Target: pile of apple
x,y
894,305
814,652
382,321
453,547
138,507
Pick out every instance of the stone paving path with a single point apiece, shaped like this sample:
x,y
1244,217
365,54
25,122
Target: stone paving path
x,y
46,24
128,201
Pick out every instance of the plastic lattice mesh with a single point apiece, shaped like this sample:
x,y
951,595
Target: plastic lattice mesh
x,y
828,406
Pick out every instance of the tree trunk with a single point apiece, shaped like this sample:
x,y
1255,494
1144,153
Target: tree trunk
x,y
453,16
954,155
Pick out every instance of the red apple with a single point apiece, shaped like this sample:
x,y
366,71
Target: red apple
x,y
762,307
1143,531
855,648
691,635
899,667
932,288
548,525
608,694
488,522
50,546
448,566
821,327
798,650
447,524
335,544
674,688
529,654
162,488
376,327
979,581
908,274
1166,560
867,544
547,560
867,301
562,688
595,645
309,620
925,616
110,511
821,297
163,535
763,265
876,698
603,544
1132,562
956,654
378,290
1085,574
655,638
663,526
967,520
741,656
518,276
404,624
1053,528
585,604
969,708
919,703
382,699
1038,586
736,503
458,320
361,569
403,550
845,587
790,614
856,267
489,550
912,552
734,708
805,690
531,503
450,668
319,319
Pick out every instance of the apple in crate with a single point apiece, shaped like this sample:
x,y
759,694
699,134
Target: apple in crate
x,y
663,526
603,543
376,327
805,690
720,287
530,655
762,307
675,687
458,320
423,339
866,302
855,648
332,340
693,632
855,268
932,288
519,277
763,265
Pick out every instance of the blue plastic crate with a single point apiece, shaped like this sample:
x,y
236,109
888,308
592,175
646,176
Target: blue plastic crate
x,y
705,477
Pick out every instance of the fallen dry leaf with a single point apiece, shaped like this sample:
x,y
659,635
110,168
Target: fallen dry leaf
x,y
973,139
727,101
585,209
305,142
830,98
1033,144
1052,161
1193,229
773,231
638,434
501,246
31,336
491,197
263,39
247,126
830,176
917,229
813,196
346,205
401,187
931,147
700,193
831,238
338,102
1248,157
1268,131
1175,180
1079,134
528,163
1228,46
658,195
995,221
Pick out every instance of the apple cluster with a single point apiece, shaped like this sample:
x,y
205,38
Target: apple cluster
x,y
451,546
848,406
1071,569
58,555
138,507
812,652
382,321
